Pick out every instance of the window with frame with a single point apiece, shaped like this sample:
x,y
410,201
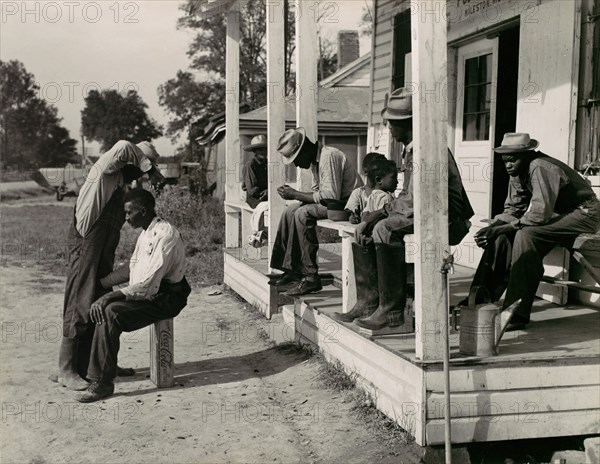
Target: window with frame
x,y
477,98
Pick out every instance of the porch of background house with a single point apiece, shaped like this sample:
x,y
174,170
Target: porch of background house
x,y
545,381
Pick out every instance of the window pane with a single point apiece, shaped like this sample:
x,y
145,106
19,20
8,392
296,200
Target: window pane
x,y
469,127
477,98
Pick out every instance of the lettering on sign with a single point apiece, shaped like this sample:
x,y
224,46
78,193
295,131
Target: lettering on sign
x,y
166,355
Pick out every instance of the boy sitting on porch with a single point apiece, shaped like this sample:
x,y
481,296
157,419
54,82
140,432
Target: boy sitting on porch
x,y
379,261
360,195
548,204
383,175
157,290
296,244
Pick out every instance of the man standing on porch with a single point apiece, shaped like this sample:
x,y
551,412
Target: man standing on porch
x,y
548,204
296,244
379,260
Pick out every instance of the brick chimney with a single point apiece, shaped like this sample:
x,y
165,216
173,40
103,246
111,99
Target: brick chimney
x,y
348,48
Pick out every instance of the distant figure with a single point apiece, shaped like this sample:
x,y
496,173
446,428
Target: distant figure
x,y
255,172
157,290
296,244
93,239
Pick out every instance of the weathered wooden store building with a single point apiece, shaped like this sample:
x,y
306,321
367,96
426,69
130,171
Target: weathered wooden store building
x,y
477,69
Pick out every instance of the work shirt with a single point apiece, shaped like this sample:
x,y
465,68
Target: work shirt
x,y
377,200
102,181
357,201
255,177
549,187
334,177
459,206
159,254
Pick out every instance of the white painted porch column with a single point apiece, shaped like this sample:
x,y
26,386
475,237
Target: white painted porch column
x,y
430,117
275,111
232,124
307,55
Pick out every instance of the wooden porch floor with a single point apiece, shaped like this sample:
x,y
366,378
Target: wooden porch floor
x,y
569,331
545,381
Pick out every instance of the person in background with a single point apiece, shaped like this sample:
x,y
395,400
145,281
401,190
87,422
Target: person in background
x,y
255,172
296,244
157,289
93,238
360,195
548,204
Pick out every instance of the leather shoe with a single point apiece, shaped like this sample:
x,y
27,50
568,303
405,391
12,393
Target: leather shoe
x,y
305,286
515,325
125,371
96,391
287,278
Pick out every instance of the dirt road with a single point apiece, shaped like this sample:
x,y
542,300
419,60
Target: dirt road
x,y
236,399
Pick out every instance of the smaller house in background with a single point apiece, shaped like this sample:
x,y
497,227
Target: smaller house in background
x,y
342,114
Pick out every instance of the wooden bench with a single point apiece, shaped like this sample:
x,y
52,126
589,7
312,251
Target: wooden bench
x,y
585,244
162,362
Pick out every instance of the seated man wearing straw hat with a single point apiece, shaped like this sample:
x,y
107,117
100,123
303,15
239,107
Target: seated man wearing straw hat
x,y
548,204
296,244
256,181
379,261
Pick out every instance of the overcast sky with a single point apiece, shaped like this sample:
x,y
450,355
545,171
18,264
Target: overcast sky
x,y
74,46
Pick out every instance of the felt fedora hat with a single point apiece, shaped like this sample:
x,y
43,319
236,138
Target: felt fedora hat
x,y
259,141
290,144
398,105
516,142
150,156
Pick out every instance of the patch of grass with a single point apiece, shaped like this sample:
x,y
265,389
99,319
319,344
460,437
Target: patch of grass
x,y
36,234
25,192
387,430
334,377
201,221
294,348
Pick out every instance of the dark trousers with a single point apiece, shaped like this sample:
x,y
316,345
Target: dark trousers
x,y
296,245
90,258
127,316
515,261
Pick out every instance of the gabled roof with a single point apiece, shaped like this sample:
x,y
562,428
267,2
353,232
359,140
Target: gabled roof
x,y
346,71
337,105
342,108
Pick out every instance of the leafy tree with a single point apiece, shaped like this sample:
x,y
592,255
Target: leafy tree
x,y
191,102
110,116
30,130
366,22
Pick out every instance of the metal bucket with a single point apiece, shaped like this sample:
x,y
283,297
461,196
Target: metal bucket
x,y
479,326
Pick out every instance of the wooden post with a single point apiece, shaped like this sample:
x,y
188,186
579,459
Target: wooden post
x,y
162,362
430,116
232,126
275,113
307,89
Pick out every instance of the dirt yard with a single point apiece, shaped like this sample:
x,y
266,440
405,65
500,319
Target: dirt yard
x,y
236,399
